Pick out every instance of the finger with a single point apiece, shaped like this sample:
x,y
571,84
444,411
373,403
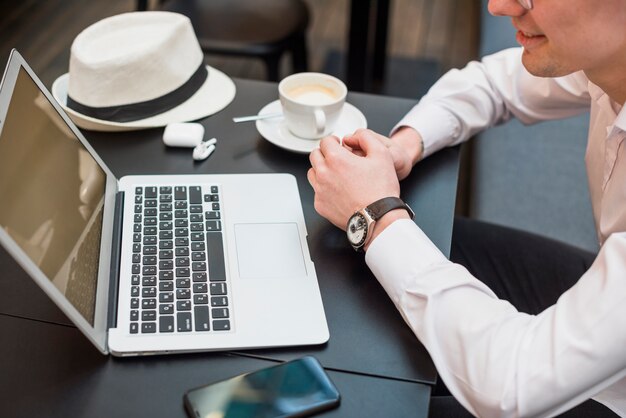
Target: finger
x,y
310,175
316,158
368,141
330,146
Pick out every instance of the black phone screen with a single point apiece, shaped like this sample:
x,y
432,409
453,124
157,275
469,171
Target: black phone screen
x,y
295,388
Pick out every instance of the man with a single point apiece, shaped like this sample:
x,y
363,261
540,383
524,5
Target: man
x,y
495,359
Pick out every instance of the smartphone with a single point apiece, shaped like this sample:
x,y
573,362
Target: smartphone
x,y
293,389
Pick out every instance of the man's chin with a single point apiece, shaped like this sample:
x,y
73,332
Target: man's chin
x,y
542,66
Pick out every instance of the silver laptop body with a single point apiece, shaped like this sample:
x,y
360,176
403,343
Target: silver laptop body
x,y
75,230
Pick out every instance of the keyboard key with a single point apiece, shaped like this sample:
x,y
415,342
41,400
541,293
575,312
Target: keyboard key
x,y
134,303
149,292
195,195
166,308
149,260
138,190
136,258
195,217
165,190
150,203
195,209
166,245
166,264
151,192
150,240
221,325
197,236
212,226
198,256
183,272
181,213
197,246
165,216
182,262
183,293
134,279
181,223
183,283
166,297
199,277
149,303
182,252
216,256
134,328
180,193
180,204
165,207
150,212
134,315
198,266
219,313
166,286
197,227
217,289
183,320
214,189
149,250
166,275
166,323
134,291
219,301
148,281
182,242
166,234
183,305
166,255
150,221
199,288
136,269
215,206
149,271
148,315
212,215
137,217
148,327
201,318
200,299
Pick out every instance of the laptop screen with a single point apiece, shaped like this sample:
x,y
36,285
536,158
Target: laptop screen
x,y
52,195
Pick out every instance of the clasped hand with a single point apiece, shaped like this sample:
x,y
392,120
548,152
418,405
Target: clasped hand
x,y
347,177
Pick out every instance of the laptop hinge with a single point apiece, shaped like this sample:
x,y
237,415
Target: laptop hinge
x,y
116,248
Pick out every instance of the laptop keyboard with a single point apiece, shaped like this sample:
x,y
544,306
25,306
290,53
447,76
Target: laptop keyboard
x,y
178,272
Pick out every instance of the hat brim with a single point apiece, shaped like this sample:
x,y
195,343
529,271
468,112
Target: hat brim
x,y
215,94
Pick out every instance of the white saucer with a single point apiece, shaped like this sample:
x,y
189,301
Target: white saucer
x,y
275,129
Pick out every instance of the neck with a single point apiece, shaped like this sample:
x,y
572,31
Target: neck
x,y
612,82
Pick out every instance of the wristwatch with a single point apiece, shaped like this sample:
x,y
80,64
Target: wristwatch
x,y
362,222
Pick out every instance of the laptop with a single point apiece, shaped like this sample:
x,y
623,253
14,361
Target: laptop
x,y
151,264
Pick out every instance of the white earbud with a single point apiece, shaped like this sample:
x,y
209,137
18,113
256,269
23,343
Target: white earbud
x,y
204,149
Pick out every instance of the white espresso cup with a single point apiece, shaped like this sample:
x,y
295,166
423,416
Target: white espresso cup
x,y
312,103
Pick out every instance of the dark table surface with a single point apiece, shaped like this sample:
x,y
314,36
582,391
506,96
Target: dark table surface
x,y
370,345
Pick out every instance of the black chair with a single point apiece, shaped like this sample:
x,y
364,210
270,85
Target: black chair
x,y
250,28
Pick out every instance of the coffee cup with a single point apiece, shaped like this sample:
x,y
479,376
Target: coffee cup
x,y
312,103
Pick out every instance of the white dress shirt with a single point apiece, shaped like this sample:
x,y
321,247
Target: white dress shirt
x,y
495,360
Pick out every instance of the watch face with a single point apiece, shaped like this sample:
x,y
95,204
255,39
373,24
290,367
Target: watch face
x,y
357,229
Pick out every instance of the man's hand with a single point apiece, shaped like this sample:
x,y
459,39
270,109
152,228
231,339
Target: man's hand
x,y
345,181
405,147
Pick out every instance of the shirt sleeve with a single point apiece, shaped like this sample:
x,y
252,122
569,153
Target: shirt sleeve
x,y
495,360
486,93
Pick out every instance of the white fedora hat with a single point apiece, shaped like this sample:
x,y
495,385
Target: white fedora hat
x,y
140,70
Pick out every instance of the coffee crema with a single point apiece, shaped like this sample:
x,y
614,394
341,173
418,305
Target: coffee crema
x,y
313,94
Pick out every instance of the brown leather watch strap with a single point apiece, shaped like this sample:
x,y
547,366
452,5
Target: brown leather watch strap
x,y
380,207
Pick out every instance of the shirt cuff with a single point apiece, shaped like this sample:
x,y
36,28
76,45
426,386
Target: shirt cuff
x,y
401,253
436,125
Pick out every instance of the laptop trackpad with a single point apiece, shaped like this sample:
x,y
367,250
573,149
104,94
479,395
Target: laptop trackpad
x,y
269,251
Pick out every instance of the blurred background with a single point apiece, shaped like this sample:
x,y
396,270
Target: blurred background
x,y
424,36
